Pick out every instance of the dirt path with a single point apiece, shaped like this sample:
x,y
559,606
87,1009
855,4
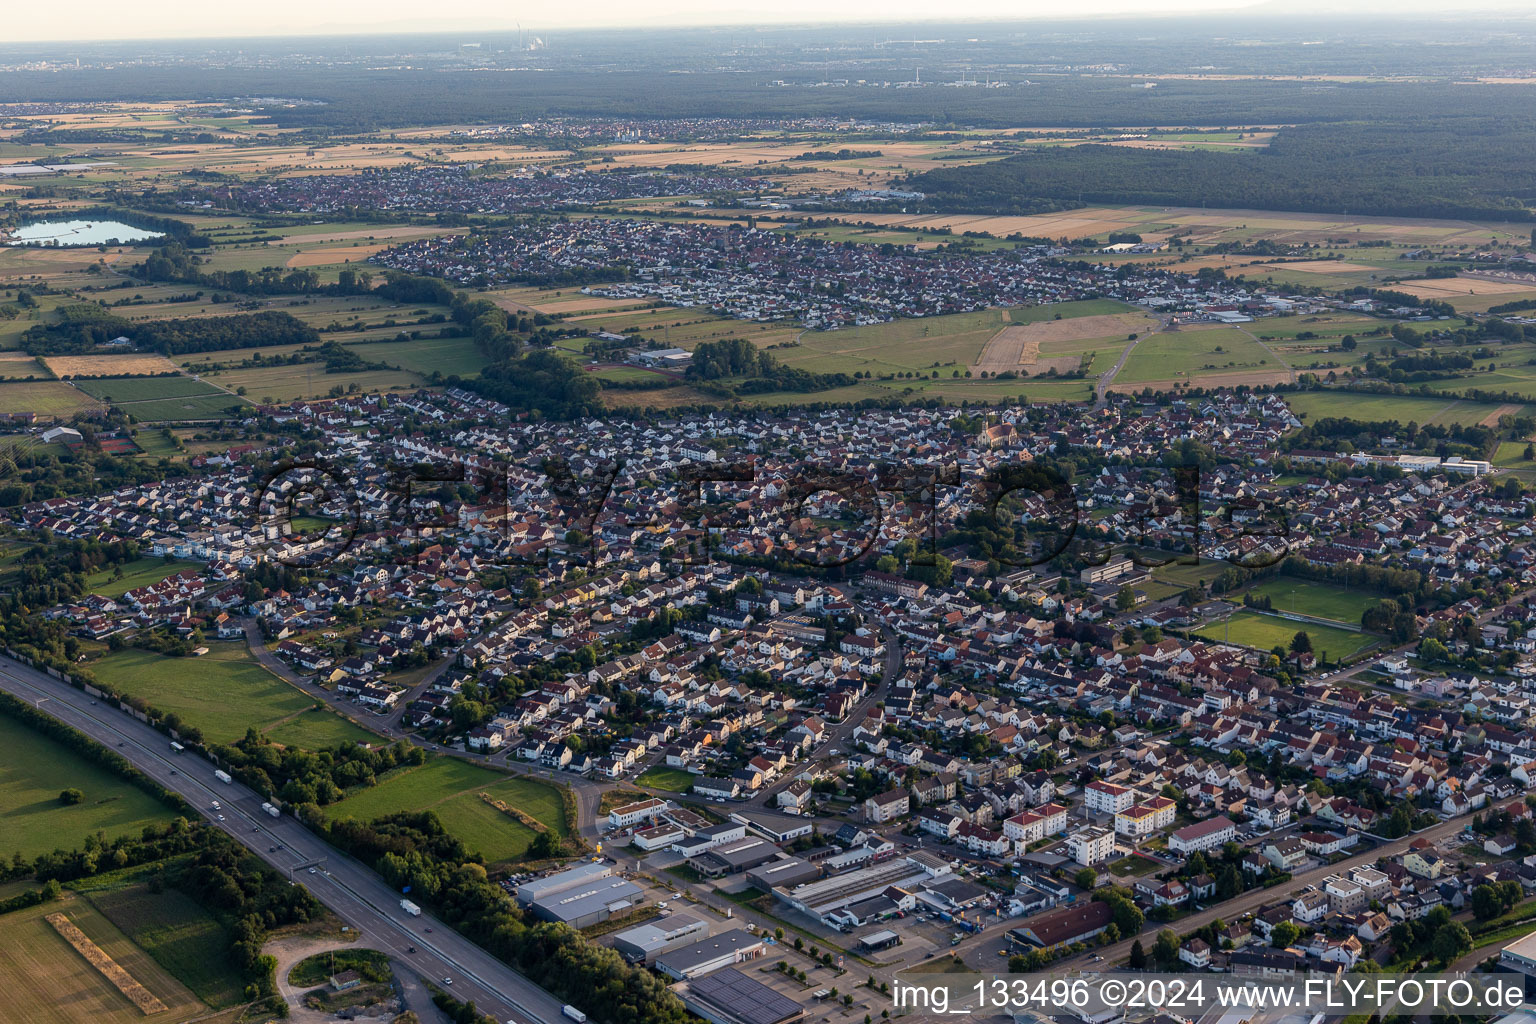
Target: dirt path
x,y
1289,369
288,952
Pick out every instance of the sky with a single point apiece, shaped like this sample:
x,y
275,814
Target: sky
x,y
161,19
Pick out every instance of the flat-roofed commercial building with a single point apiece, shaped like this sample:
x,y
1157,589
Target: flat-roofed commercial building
x,y
540,887
588,903
788,872
734,858
1202,835
730,997
1520,955
650,940
733,947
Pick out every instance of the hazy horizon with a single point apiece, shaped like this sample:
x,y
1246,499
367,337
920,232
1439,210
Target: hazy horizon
x,y
109,21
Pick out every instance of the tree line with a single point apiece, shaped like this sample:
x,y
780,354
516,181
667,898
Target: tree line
x,y
413,848
1359,168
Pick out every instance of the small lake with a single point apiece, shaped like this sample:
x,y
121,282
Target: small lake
x,y
77,232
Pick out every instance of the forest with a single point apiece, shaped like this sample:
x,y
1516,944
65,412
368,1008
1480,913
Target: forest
x,y
83,327
543,381
1474,168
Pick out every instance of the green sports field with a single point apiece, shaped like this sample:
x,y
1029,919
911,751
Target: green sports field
x,y
146,389
1320,599
36,769
1424,410
1263,632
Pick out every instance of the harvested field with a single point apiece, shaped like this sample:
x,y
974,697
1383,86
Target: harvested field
x,y
1019,347
1327,267
46,398
137,994
1253,378
336,236
1073,223
1013,348
120,365
587,304
1203,226
325,257
17,365
46,982
1455,287
1492,419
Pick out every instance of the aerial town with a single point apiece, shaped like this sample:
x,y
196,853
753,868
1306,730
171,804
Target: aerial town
x,y
796,525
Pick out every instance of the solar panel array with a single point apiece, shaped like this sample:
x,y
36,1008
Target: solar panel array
x,y
749,1001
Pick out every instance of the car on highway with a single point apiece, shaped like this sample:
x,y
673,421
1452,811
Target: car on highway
x,y
447,981
271,849
311,870
221,817
410,949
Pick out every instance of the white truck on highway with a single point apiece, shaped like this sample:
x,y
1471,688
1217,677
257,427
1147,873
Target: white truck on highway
x,y
271,810
223,777
573,1013
410,908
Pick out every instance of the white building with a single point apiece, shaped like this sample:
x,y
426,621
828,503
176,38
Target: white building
x,y
1092,845
1202,835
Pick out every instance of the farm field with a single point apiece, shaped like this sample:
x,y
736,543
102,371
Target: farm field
x,y
47,982
179,935
1455,289
138,573
943,342
46,398
1511,455
1403,408
1038,345
32,821
308,380
449,356
451,789
1320,599
221,692
1069,310
1254,629
107,365
1196,355
1208,226
20,366
1517,378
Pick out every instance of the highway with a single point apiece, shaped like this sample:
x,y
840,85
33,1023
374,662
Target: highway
x,y
353,891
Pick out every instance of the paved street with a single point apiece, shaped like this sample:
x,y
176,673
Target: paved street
x,y
347,887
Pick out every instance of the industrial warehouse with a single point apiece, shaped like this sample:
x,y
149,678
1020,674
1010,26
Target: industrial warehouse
x,y
581,896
